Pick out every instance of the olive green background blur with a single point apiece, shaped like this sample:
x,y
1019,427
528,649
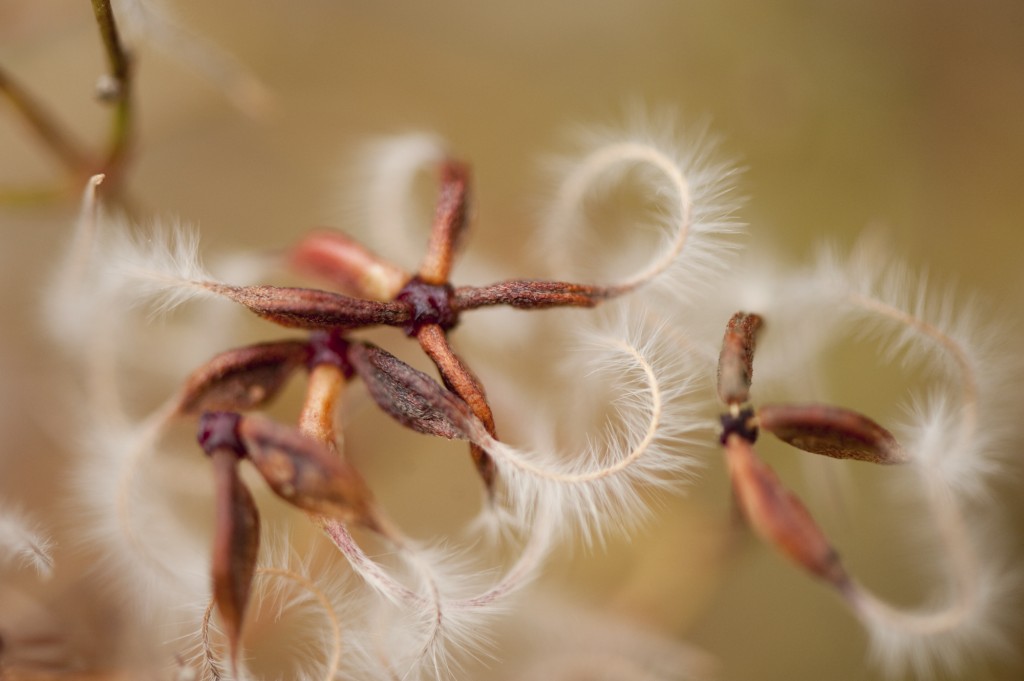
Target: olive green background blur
x,y
906,117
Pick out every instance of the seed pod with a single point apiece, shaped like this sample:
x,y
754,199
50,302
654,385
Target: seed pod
x,y
304,472
526,294
410,396
343,262
831,431
305,308
778,516
236,543
243,378
736,360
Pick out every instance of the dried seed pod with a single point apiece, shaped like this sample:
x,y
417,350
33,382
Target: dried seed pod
x,y
305,308
831,431
527,294
350,266
736,360
777,514
450,222
243,378
410,396
236,543
306,473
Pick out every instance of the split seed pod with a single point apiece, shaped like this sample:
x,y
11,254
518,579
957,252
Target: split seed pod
x,y
831,431
410,396
305,472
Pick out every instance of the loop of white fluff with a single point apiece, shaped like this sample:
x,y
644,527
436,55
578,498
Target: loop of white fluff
x,y
695,219
957,434
382,199
448,611
21,540
643,451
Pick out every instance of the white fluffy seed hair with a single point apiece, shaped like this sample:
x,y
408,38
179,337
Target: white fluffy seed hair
x,y
644,449
23,542
436,606
380,200
122,512
695,200
305,593
959,432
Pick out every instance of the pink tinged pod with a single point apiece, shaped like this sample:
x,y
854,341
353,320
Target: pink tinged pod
x,y
736,360
831,431
778,516
339,260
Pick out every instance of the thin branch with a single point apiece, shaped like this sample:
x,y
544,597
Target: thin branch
x,y
50,133
121,71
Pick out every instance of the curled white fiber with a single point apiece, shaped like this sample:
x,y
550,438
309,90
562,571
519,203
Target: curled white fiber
x,y
957,433
383,197
695,217
641,452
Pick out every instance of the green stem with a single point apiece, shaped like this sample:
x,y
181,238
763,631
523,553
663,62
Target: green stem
x,y
121,70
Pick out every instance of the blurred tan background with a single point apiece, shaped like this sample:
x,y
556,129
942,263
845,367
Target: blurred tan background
x,y
904,116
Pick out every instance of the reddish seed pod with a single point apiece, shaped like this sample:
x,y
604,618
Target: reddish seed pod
x,y
410,396
346,264
236,543
778,516
736,360
831,431
243,378
305,472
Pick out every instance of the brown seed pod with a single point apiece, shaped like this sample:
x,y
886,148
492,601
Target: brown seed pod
x,y
778,516
236,543
243,378
410,396
831,431
736,360
526,294
305,472
305,308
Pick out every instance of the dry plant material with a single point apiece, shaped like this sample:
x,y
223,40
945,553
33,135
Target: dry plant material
x,y
775,513
236,535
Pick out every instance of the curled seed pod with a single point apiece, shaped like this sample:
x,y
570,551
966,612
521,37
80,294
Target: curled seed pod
x,y
736,360
778,516
236,543
243,378
305,472
410,396
831,431
305,308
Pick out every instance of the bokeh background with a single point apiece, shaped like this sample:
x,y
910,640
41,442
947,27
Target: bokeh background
x,y
903,117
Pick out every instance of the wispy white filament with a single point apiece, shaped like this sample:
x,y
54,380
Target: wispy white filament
x,y
695,218
21,541
956,435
